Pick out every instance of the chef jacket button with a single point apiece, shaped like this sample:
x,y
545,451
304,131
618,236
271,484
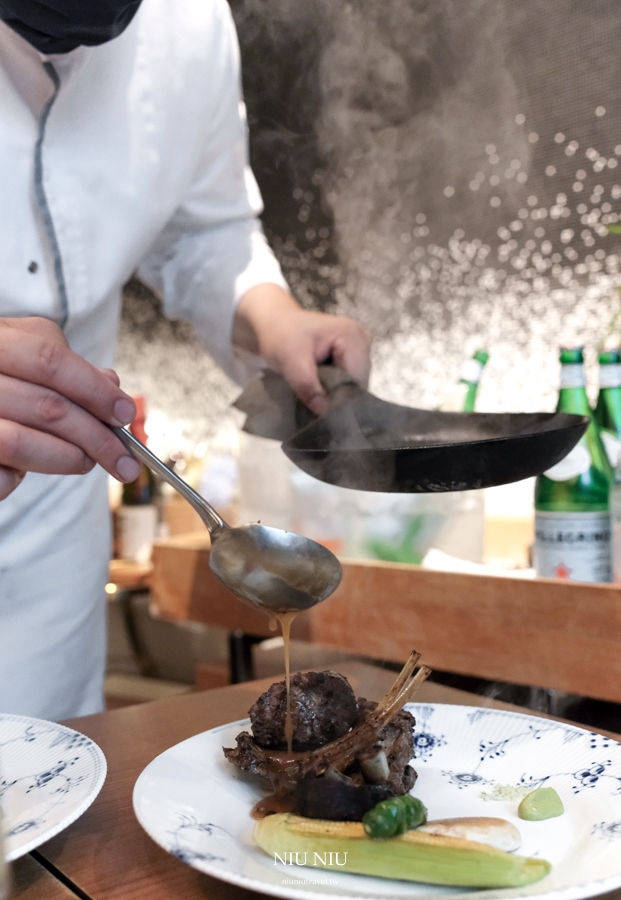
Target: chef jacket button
x,y
33,267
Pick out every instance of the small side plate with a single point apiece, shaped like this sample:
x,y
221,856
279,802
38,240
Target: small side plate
x,y
49,776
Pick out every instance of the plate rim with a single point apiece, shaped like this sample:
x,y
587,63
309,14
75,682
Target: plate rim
x,y
570,892
75,813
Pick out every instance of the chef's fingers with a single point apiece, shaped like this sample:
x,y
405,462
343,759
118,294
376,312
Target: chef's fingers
x,y
293,341
9,480
34,451
320,338
300,370
48,412
350,350
111,374
37,325
37,351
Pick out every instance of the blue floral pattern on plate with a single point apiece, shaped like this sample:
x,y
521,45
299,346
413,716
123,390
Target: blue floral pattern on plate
x,y
49,775
197,806
188,830
609,831
425,741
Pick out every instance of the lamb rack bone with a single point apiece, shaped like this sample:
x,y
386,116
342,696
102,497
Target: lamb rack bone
x,y
400,681
342,752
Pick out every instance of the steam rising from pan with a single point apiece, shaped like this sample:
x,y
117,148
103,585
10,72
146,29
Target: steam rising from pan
x,y
444,170
428,154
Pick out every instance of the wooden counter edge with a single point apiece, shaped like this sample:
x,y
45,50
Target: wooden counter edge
x,y
544,632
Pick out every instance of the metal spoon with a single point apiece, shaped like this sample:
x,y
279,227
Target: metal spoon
x,y
276,570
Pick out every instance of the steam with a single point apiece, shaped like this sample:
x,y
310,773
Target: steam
x,y
444,170
465,158
406,120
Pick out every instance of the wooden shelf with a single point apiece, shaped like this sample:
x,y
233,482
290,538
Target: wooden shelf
x,y
129,575
554,634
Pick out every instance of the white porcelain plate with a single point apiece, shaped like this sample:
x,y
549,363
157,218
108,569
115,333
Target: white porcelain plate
x,y
49,775
196,805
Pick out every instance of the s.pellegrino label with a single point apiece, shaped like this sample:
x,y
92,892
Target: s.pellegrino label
x,y
573,546
572,497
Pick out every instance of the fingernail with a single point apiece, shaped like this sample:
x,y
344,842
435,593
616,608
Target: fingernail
x,y
124,411
127,468
318,404
9,479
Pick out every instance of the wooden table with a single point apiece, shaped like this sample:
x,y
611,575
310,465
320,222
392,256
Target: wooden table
x,y
106,855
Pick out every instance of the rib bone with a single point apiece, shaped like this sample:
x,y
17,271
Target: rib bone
x,y
401,680
342,752
339,754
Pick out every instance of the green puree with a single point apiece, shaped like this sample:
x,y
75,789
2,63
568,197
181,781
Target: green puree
x,y
544,803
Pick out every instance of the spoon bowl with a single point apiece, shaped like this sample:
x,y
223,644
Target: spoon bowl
x,y
275,570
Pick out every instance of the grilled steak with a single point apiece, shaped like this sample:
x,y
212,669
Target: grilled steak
x,y
323,707
395,744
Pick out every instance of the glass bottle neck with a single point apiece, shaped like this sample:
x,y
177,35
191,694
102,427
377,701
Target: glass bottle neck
x,y
572,375
572,397
610,376
574,400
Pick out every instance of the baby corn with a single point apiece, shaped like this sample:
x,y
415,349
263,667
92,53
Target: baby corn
x,y
413,856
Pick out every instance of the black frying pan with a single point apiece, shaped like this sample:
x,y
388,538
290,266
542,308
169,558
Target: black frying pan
x,y
365,443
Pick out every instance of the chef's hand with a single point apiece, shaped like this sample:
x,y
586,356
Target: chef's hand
x,y
293,341
52,405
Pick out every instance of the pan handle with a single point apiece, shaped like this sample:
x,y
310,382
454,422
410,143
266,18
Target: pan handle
x,y
332,377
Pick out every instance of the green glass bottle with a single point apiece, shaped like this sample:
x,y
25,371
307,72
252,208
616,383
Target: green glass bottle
x,y
608,408
572,511
461,397
470,377
608,417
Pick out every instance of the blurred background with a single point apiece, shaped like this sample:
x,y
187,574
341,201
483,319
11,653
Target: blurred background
x,y
446,172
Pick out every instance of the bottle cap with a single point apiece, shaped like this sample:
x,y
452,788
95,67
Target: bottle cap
x,y
609,357
572,355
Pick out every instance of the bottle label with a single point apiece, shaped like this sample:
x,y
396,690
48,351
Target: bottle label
x,y
612,445
572,375
137,531
573,546
610,375
575,463
454,398
471,371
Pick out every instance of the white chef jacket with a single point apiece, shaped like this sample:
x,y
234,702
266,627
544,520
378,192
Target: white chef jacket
x,y
123,157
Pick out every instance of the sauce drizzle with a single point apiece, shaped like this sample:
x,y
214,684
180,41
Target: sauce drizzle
x,y
281,802
286,620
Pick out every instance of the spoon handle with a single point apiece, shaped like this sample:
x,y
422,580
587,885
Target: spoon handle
x,y
210,517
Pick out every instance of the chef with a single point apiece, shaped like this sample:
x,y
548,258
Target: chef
x,y
122,149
